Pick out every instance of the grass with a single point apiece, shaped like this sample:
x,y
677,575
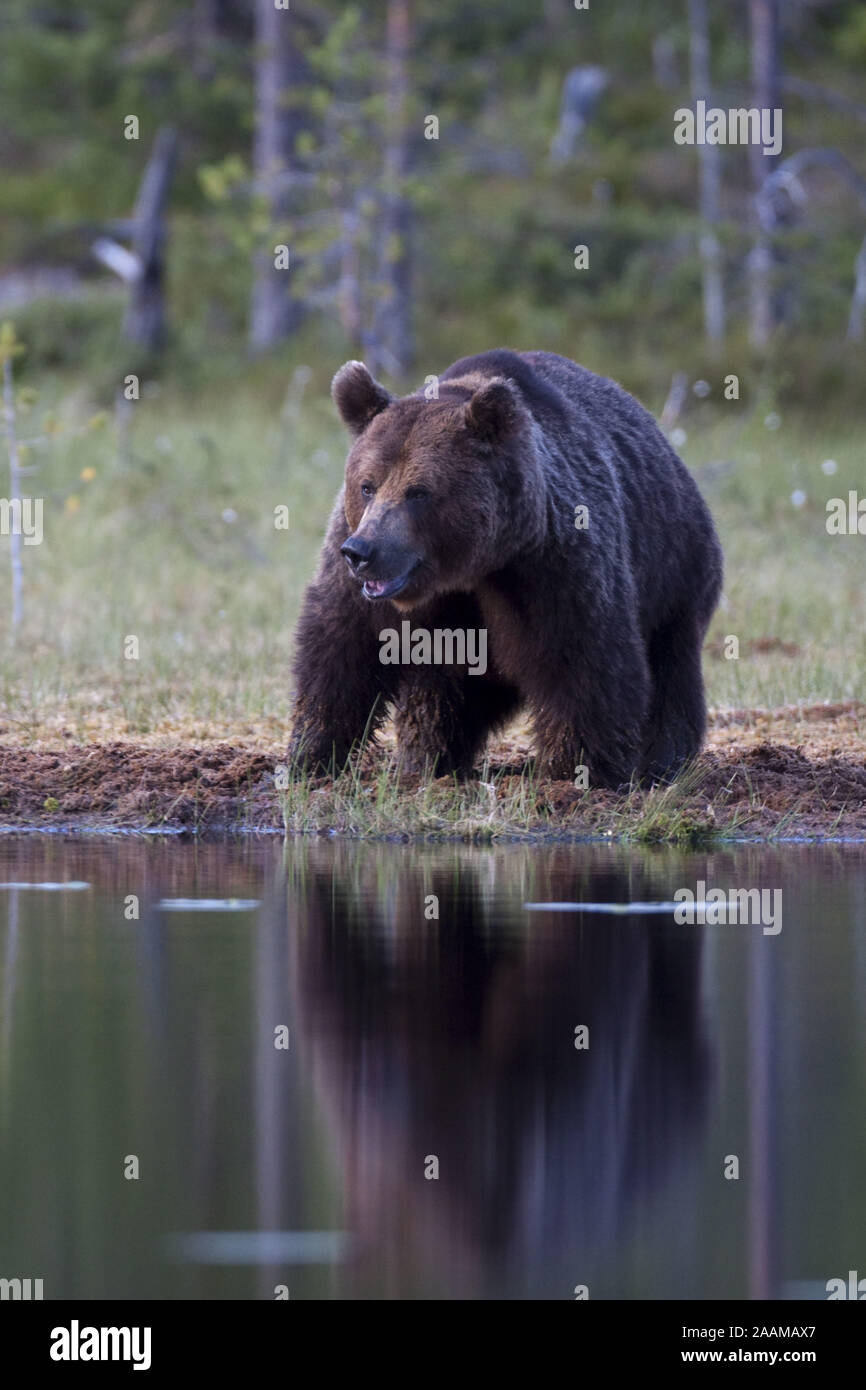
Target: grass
x,y
354,803
177,546
668,815
500,804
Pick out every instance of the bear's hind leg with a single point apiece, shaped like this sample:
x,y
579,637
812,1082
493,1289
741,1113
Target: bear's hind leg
x,y
677,719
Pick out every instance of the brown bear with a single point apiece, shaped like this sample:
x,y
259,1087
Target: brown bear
x,y
534,504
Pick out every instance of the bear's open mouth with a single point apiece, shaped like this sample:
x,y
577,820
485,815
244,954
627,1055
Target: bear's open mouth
x,y
388,588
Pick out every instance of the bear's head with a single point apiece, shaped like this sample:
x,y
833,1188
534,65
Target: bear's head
x,y
439,493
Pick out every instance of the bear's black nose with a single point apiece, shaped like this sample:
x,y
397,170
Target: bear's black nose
x,y
358,552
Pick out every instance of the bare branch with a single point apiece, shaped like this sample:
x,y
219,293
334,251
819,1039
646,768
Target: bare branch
x,y
812,91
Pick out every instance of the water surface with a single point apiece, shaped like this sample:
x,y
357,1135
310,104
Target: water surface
x,y
138,1021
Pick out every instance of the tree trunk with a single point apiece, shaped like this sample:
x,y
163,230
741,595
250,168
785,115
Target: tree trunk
x,y
858,299
709,176
391,345
144,321
350,296
279,71
15,540
766,85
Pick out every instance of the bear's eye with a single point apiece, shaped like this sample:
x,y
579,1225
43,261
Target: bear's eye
x,y
416,494
367,489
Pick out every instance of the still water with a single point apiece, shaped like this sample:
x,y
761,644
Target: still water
x,y
141,1012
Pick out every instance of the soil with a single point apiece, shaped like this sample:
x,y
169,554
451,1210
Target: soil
x,y
793,773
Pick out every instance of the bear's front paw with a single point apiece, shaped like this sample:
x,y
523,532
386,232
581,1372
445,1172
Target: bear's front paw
x,y
313,755
412,764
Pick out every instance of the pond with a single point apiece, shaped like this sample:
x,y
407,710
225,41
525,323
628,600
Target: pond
x,y
244,1069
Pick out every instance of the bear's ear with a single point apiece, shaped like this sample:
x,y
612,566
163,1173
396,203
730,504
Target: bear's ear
x,y
493,411
358,396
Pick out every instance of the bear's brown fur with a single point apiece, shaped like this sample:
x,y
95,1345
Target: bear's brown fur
x,y
460,511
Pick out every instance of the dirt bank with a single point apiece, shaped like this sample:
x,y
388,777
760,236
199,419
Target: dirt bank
x,y
791,772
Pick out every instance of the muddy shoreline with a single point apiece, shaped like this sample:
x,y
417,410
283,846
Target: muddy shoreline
x,y
765,774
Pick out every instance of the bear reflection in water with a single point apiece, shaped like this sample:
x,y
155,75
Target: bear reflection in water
x,y
454,1039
